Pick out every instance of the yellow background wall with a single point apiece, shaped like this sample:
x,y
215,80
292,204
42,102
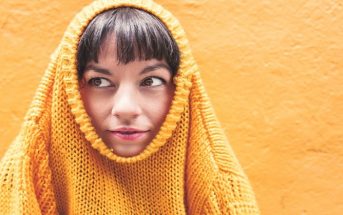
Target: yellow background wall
x,y
273,69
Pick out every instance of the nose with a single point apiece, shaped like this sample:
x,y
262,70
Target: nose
x,y
126,103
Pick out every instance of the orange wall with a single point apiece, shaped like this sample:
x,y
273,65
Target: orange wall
x,y
273,69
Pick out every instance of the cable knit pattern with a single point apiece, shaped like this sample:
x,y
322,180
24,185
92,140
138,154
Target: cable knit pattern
x,y
59,165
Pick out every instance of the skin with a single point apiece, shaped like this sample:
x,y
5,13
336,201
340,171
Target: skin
x,y
136,95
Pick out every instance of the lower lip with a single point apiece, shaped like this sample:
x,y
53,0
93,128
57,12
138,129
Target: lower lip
x,y
129,137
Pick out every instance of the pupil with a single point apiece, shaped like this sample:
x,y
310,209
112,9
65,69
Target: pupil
x,y
97,82
148,82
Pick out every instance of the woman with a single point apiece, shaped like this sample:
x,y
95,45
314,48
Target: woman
x,y
121,124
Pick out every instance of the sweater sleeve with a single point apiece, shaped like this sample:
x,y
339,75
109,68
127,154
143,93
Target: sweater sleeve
x,y
25,178
231,195
17,194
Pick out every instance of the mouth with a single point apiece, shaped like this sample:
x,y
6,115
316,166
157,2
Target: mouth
x,y
129,134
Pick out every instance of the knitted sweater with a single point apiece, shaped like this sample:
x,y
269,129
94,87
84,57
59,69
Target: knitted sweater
x,y
59,165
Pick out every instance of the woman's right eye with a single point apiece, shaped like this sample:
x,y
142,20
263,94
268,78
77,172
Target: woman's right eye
x,y
99,82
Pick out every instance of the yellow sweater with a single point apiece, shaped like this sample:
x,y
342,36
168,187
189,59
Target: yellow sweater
x,y
59,165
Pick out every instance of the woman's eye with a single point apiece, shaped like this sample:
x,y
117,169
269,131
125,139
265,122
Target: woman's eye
x,y
152,82
99,82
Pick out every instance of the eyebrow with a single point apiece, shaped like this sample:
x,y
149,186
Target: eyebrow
x,y
98,69
154,67
145,70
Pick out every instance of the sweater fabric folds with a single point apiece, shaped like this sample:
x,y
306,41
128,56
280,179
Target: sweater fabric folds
x,y
59,165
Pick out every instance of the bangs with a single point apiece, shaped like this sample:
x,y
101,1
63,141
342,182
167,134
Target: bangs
x,y
138,36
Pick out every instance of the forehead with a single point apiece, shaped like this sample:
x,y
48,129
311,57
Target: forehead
x,y
108,58
108,48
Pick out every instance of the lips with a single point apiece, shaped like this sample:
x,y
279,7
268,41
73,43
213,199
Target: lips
x,y
129,134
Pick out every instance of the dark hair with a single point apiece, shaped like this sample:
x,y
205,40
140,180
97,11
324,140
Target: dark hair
x,y
138,35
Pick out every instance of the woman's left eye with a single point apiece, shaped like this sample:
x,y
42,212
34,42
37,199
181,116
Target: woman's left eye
x,y
152,82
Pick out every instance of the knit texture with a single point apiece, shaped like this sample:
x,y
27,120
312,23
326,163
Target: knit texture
x,y
59,165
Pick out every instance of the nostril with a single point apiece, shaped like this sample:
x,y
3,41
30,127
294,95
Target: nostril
x,y
127,112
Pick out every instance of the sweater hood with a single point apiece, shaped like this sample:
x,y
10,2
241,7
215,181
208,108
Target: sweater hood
x,y
58,163
65,58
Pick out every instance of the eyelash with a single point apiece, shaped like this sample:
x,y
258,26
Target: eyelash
x,y
152,77
91,81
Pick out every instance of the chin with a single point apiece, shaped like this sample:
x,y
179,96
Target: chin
x,y
126,152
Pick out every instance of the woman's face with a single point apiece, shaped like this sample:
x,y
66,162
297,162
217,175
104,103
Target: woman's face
x,y
127,103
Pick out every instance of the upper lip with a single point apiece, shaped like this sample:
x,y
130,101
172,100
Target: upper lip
x,y
128,129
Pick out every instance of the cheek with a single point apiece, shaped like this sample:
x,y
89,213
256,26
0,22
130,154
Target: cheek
x,y
95,107
157,106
